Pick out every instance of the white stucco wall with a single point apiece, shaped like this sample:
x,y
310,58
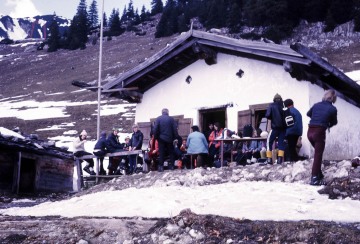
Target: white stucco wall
x,y
218,84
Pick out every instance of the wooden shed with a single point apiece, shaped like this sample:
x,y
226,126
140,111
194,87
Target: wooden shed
x,y
33,166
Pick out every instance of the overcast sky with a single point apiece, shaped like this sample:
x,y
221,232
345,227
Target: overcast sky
x,y
65,8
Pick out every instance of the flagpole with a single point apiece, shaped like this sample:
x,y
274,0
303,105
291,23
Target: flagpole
x,y
100,68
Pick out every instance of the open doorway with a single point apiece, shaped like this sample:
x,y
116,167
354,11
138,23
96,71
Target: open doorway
x,y
27,175
207,116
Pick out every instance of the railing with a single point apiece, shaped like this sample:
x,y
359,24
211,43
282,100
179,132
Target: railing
x,y
78,161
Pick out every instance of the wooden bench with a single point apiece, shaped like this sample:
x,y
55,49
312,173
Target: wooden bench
x,y
238,140
78,161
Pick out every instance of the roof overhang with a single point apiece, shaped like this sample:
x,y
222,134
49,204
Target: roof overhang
x,y
299,61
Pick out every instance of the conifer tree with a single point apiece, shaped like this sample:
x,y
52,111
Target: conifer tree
x,y
105,22
145,15
93,14
79,28
54,37
168,22
157,7
114,23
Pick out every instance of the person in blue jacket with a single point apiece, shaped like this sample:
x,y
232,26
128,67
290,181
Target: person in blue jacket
x,y
294,132
323,116
135,143
100,150
197,145
275,113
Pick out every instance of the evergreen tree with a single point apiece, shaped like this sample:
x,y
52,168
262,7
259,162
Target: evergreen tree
x,y
114,23
54,37
105,23
168,22
124,15
93,15
341,10
315,10
235,16
145,15
157,7
356,16
79,28
130,13
216,14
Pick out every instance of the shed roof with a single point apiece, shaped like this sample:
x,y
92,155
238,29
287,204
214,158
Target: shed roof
x,y
298,60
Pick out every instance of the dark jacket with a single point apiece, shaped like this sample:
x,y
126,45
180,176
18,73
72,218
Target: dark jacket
x,y
101,144
275,114
297,128
323,114
136,140
112,143
165,128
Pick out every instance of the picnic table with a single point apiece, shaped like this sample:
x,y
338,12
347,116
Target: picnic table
x,y
78,161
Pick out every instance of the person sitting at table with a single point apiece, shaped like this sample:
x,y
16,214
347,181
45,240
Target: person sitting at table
x,y
253,148
197,146
100,150
214,146
113,145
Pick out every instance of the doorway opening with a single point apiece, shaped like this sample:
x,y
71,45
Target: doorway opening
x,y
207,116
27,175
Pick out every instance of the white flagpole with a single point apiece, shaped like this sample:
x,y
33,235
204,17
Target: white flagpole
x,y
100,68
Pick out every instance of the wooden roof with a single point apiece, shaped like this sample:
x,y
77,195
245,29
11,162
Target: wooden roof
x,y
296,59
38,147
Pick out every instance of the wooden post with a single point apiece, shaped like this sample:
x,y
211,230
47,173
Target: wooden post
x,y
222,152
79,175
18,174
97,168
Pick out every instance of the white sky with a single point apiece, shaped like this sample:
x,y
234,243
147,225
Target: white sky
x,y
252,200
65,8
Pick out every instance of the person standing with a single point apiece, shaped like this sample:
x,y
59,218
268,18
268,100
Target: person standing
x,y
165,132
79,151
323,115
100,150
208,131
197,145
214,145
294,132
135,143
275,113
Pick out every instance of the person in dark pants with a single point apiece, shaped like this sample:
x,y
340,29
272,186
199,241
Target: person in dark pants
x,y
165,132
294,132
323,115
197,145
136,142
275,113
113,145
100,150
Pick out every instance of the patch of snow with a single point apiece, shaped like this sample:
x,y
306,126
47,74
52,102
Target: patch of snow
x,y
7,132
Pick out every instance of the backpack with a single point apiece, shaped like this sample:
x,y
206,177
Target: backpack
x,y
288,117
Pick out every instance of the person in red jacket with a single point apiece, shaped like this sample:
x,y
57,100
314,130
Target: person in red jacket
x,y
214,146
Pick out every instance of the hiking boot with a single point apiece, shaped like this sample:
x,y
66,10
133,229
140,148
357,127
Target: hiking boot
x,y
269,161
87,169
102,172
160,168
316,181
280,160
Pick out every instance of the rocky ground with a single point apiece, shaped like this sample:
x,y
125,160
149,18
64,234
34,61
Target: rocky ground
x,y
188,227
